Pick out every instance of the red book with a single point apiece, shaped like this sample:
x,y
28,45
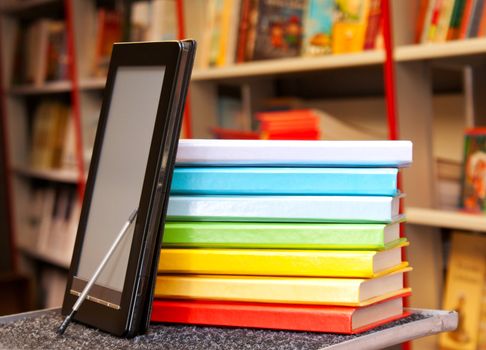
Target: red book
x,y
291,135
222,133
373,26
243,31
311,318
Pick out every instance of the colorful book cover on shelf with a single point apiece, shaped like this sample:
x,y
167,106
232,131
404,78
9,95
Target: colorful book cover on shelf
x,y
346,209
374,23
243,27
57,59
311,318
475,20
446,10
474,171
349,28
456,20
279,29
466,19
281,262
216,31
281,235
434,20
294,153
284,181
318,21
421,18
482,24
286,290
464,289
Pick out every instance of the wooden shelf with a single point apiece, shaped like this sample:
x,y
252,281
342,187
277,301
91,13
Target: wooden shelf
x,y
48,258
92,83
289,65
446,219
67,176
12,6
306,64
47,88
455,48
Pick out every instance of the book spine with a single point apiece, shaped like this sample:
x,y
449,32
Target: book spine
x,y
364,209
421,18
272,316
482,24
243,31
267,262
287,290
432,30
373,27
290,181
274,235
466,18
456,17
475,21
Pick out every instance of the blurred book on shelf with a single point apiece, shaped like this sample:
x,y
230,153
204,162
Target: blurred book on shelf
x,y
52,143
236,31
298,124
40,53
473,196
444,20
464,289
50,221
153,20
109,31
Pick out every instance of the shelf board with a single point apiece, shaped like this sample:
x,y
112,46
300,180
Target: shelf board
x,y
92,83
446,219
59,175
289,65
13,6
419,52
48,258
47,88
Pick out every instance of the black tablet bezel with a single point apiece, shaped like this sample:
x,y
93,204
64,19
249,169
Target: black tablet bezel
x,y
146,242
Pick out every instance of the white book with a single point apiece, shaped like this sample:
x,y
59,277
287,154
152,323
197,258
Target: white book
x,y
372,209
298,153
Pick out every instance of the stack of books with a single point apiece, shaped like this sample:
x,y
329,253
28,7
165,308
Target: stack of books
x,y
296,235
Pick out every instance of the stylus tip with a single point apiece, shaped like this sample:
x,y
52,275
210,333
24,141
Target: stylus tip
x,y
65,323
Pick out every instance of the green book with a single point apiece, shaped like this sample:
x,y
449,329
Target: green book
x,y
281,235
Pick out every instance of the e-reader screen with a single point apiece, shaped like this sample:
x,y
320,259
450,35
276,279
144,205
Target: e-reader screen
x,y
119,180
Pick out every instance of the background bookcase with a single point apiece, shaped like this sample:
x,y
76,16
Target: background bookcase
x,y
437,91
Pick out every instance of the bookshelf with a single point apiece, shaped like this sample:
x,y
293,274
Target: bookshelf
x,y
354,75
446,219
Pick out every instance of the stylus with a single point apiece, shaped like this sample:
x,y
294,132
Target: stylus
x,y
100,268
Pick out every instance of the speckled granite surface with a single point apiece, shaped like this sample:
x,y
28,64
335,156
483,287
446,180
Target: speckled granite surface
x,y
39,333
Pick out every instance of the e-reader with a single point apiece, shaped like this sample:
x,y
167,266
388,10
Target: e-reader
x,y
131,167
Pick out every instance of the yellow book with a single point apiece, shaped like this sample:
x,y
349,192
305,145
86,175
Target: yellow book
x,y
297,290
272,262
349,29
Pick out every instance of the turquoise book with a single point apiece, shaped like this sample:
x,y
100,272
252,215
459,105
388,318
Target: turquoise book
x,y
284,181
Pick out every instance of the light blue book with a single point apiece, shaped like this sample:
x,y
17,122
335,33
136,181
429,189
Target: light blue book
x,y
284,181
352,209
